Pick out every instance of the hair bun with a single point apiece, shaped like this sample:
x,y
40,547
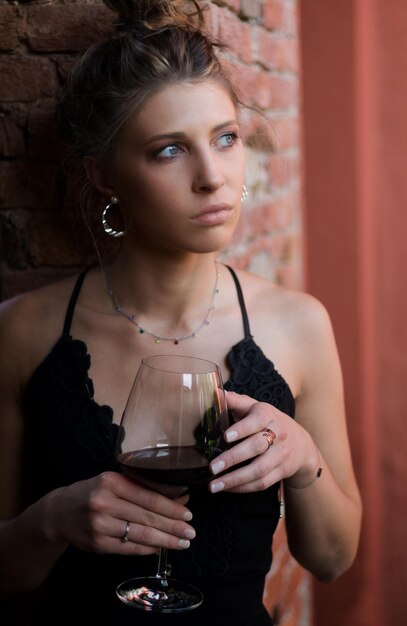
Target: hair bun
x,y
154,14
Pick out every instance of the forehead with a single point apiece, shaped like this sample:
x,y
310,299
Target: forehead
x,y
184,107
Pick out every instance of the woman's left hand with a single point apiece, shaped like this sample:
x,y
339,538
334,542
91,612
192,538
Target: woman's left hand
x,y
284,451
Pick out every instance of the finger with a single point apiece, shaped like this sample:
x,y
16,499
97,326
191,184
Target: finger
x,y
134,545
261,415
177,537
257,476
184,499
137,515
127,489
151,537
250,447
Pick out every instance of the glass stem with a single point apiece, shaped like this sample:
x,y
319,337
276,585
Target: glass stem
x,y
162,566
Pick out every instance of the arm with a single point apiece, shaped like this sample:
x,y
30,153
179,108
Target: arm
x,y
323,520
323,516
90,515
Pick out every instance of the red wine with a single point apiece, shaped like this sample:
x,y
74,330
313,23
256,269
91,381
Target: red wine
x,y
172,465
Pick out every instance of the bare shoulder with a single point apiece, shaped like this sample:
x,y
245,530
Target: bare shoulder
x,y
294,329
30,324
297,311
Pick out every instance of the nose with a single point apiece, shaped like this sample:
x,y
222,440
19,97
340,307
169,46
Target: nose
x,y
208,175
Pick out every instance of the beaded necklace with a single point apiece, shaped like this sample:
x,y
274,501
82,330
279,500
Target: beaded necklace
x,y
159,338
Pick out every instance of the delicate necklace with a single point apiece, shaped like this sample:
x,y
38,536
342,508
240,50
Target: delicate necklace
x,y
159,338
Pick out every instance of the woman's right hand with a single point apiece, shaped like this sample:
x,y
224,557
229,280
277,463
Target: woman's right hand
x,y
92,515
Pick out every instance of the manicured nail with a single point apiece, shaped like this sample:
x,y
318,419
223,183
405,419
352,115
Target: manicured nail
x,y
183,543
231,435
189,533
215,487
188,516
217,467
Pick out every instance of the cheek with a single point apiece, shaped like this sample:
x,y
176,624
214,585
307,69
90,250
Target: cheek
x,y
152,178
145,187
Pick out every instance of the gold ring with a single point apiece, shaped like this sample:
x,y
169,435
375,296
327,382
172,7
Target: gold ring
x,y
270,435
125,537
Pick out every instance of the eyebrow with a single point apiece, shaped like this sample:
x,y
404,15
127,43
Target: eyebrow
x,y
181,135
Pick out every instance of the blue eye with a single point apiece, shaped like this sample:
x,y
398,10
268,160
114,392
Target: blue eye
x,y
228,139
168,152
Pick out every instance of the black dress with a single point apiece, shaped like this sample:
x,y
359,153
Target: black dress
x,y
69,437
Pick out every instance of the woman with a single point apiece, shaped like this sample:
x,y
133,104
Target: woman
x,y
154,119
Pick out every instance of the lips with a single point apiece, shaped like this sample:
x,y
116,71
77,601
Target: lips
x,y
214,214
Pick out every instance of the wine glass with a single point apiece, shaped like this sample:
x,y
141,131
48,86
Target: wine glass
x,y
171,429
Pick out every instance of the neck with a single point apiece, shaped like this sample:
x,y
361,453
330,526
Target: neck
x,y
170,296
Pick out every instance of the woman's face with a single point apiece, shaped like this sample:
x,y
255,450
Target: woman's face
x,y
180,169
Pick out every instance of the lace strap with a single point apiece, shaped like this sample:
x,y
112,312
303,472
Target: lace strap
x,y
72,302
245,318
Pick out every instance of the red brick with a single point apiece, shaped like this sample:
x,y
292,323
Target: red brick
x,y
284,91
12,123
273,14
10,24
64,65
54,242
257,131
262,89
266,133
276,52
25,79
251,9
41,129
280,15
69,27
256,85
285,208
284,169
232,4
286,132
278,246
236,35
211,16
261,263
27,185
244,227
13,238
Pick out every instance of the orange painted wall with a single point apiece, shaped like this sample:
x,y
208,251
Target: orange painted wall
x,y
354,86
391,70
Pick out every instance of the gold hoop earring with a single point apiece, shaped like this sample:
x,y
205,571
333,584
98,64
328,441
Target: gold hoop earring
x,y
108,229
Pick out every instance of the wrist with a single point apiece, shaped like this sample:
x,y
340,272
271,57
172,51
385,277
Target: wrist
x,y
50,514
298,483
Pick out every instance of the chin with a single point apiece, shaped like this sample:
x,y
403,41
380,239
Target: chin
x,y
210,243
213,239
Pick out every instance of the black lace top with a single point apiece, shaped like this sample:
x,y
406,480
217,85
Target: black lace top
x,y
69,437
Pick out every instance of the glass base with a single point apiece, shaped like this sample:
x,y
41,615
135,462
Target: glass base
x,y
159,595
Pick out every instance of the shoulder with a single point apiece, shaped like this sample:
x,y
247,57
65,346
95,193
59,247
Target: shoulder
x,y
30,324
293,328
39,305
296,310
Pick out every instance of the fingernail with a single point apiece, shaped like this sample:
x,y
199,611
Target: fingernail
x,y
215,487
189,533
217,467
231,435
188,516
183,543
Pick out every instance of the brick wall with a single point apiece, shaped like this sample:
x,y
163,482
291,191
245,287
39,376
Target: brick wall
x,y
41,235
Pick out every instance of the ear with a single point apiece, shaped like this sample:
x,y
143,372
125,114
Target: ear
x,y
98,176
